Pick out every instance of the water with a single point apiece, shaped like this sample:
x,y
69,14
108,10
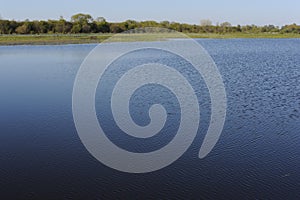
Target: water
x,y
257,156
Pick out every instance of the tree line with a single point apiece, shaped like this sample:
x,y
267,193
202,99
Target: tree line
x,y
84,23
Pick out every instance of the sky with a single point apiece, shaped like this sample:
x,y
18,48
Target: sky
x,y
259,12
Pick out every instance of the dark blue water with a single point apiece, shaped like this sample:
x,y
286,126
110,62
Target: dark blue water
x,y
257,156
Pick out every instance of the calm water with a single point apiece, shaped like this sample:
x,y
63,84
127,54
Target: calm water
x,y
257,156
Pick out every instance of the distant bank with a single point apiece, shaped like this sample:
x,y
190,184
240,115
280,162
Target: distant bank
x,y
83,28
56,39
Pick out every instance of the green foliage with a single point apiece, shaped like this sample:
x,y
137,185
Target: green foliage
x,y
81,18
84,23
293,28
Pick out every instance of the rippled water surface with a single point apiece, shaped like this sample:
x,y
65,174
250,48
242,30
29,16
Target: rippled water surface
x,y
257,156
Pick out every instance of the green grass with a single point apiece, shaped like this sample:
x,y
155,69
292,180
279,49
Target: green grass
x,y
52,39
97,38
243,35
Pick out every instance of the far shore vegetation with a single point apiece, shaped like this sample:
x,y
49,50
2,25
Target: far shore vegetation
x,y
82,28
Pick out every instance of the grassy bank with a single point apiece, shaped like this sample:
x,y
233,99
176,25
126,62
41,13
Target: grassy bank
x,y
243,35
97,38
52,39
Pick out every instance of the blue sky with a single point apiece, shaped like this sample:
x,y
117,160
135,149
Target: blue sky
x,y
189,11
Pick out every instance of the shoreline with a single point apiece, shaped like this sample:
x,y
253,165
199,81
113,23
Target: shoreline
x,y
64,39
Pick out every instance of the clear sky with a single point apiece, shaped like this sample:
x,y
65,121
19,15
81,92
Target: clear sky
x,y
260,12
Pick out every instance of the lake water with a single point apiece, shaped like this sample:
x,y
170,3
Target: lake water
x,y
257,156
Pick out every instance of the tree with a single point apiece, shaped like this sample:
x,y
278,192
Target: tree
x,y
43,27
205,22
81,23
128,25
225,24
102,27
149,24
86,28
165,24
269,28
82,18
4,26
115,28
24,29
293,28
100,19
176,26
84,23
76,28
